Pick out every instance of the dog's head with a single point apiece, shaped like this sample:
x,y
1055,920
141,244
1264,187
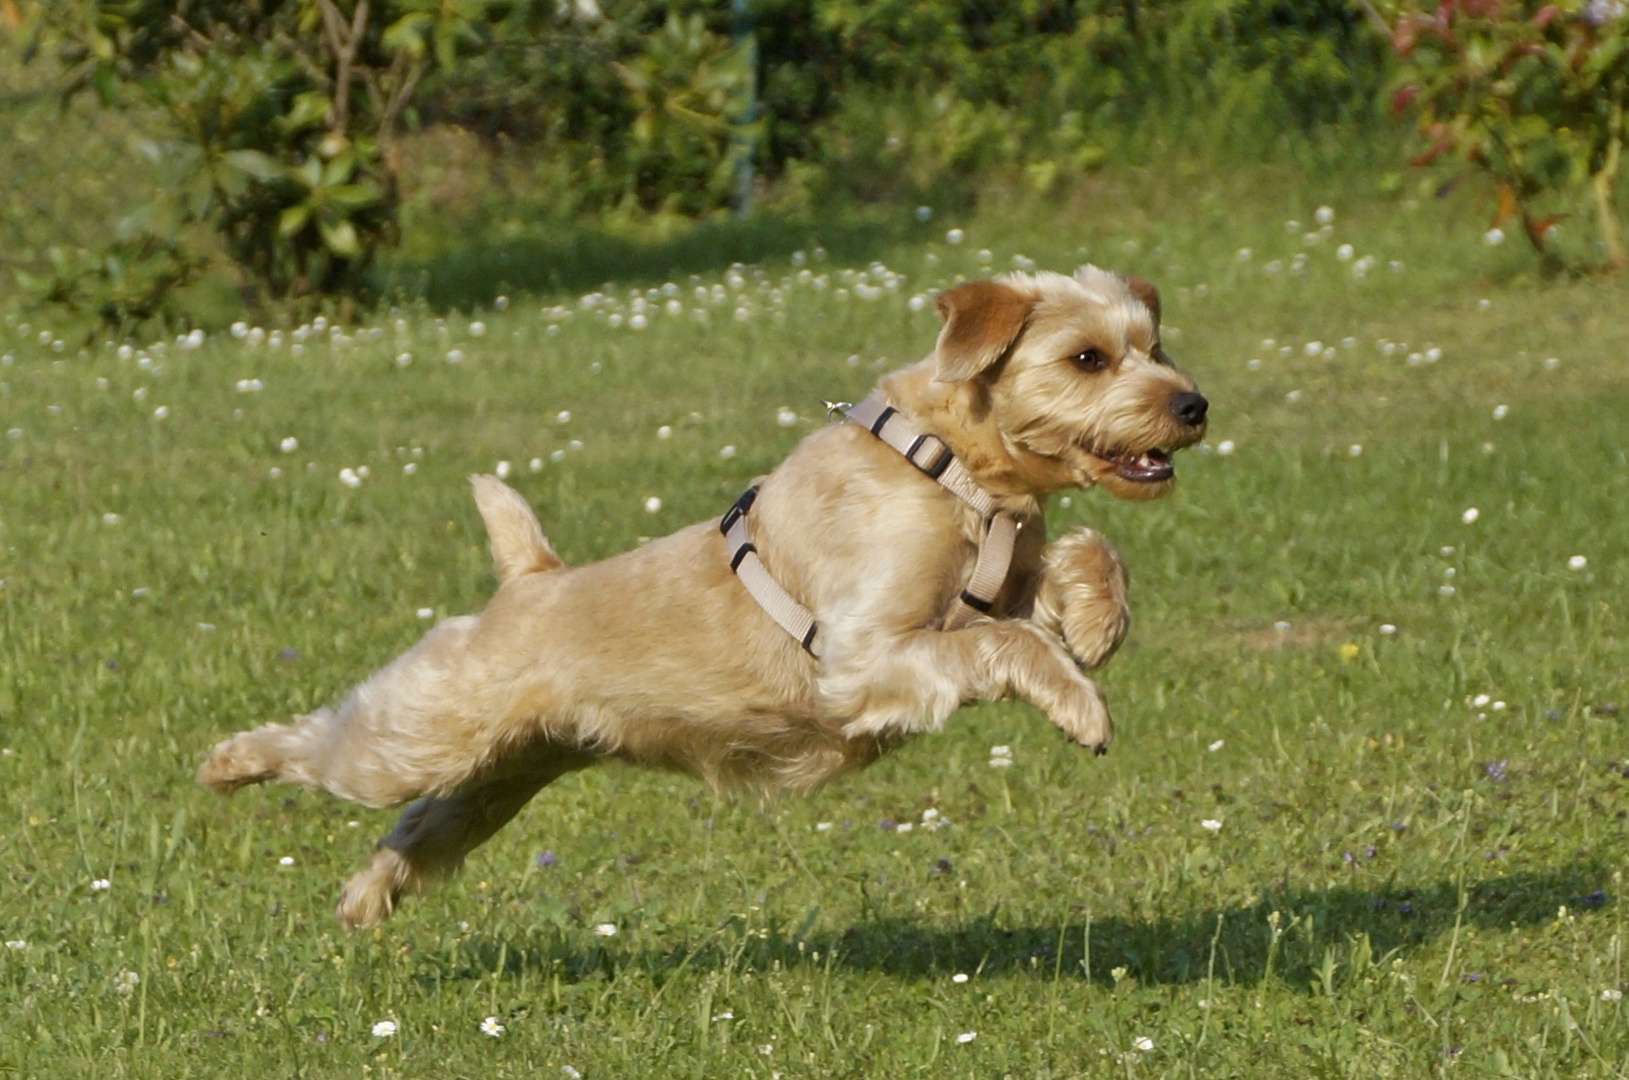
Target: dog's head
x,y
1073,372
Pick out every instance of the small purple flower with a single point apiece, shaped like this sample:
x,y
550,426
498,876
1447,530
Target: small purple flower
x,y
941,866
1398,826
1346,857
546,859
289,655
886,824
1368,852
1495,771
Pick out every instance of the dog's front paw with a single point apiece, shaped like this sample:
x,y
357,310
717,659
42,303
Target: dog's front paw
x,y
1082,596
1084,717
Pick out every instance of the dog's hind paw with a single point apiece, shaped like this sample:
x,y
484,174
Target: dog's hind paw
x,y
228,768
369,898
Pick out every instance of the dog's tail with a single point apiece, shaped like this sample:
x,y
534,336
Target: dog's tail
x,y
518,544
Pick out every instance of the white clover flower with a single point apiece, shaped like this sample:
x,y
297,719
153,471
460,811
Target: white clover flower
x,y
1225,447
455,356
955,236
404,359
1499,706
477,329
348,476
161,412
410,468
1551,363
1355,450
1324,215
1577,562
16,946
1292,397
491,1028
959,978
1470,515
289,444
557,455
535,465
563,416
110,518
384,1029
785,417
1493,237
924,214
286,860
664,432
637,322
966,1037
1244,254
726,452
126,983
917,302
985,256
822,826
1446,590
570,1073
1211,825
1606,995
1480,700
1217,745
1501,411
101,884
1143,1042
1388,629
652,504
606,929
426,613
1345,252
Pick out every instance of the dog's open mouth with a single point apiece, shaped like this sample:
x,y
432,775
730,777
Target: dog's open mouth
x,y
1148,467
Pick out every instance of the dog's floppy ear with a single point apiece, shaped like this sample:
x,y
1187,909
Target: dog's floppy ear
x,y
1150,296
982,320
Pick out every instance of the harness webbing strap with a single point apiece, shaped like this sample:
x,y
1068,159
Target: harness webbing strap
x,y
926,452
933,458
929,454
995,558
777,603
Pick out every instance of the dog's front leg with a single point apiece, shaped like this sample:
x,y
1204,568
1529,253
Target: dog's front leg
x,y
913,683
1081,596
435,834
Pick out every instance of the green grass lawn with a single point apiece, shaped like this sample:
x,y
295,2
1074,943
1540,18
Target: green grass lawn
x,y
1410,726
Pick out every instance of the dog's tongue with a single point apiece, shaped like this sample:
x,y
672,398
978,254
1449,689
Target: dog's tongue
x,y
1154,465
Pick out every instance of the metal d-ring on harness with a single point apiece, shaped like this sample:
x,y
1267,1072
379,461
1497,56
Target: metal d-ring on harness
x,y
930,455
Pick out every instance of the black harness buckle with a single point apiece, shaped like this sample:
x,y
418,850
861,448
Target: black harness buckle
x,y
941,461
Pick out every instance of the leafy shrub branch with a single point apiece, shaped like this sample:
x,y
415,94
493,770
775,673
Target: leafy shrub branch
x,y
1535,96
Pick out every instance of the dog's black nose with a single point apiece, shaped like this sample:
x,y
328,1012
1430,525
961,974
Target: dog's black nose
x,y
1190,408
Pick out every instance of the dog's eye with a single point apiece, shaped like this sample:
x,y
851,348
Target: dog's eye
x,y
1090,360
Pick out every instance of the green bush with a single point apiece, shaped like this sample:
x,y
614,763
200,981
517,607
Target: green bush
x,y
274,125
1534,96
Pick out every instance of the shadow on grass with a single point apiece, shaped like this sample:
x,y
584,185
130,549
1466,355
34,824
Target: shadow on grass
x,y
472,271
1171,951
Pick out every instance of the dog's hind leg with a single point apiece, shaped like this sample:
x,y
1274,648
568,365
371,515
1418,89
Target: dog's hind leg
x,y
433,835
419,725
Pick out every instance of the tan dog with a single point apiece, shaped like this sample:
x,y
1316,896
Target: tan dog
x,y
660,656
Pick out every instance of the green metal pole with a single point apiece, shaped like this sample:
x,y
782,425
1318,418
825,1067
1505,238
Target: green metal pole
x,y
745,34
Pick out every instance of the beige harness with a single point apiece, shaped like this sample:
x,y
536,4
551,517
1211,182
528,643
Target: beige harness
x,y
930,455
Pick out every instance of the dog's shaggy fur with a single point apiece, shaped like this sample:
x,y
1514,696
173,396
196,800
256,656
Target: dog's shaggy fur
x,y
659,656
